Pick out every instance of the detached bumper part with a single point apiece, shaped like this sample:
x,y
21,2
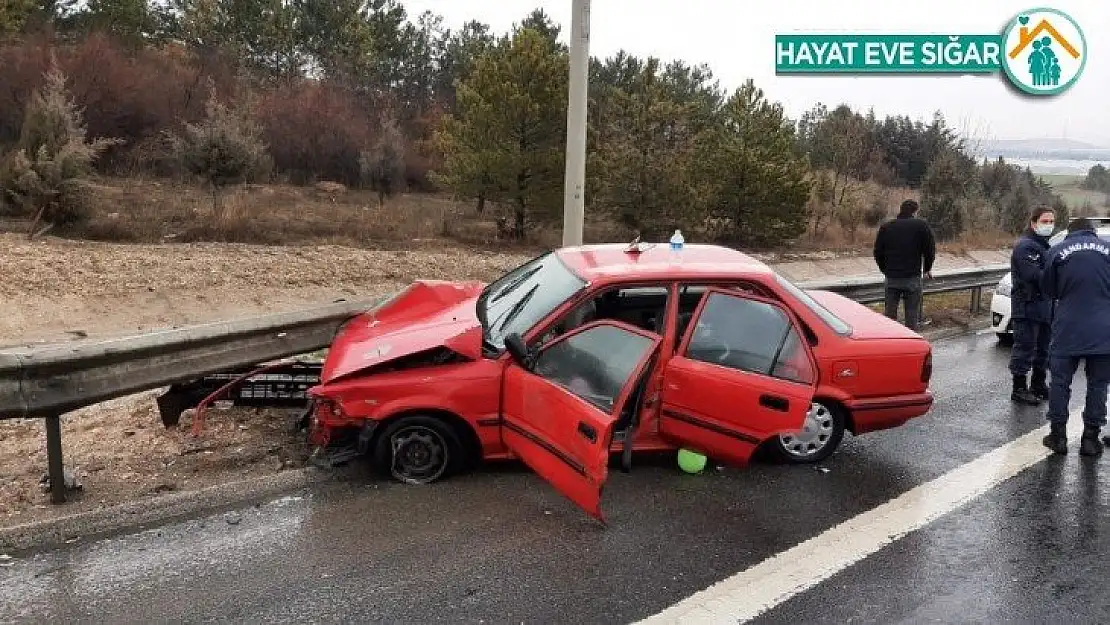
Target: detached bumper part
x,y
331,451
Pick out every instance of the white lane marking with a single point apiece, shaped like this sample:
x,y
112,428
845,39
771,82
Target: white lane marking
x,y
752,592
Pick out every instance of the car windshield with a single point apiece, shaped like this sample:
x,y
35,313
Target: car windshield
x,y
836,323
524,296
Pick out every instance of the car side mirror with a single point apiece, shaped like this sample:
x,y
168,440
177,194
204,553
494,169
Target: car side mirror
x,y
519,351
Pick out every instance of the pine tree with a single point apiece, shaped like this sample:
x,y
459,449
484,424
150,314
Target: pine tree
x,y
44,174
224,149
506,143
761,185
944,188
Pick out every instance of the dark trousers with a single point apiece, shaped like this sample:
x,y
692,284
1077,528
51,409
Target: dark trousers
x,y
1030,349
1063,368
909,291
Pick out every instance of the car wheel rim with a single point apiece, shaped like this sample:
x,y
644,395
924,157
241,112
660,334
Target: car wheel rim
x,y
419,455
814,436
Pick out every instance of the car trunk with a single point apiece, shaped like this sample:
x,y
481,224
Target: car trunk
x,y
866,323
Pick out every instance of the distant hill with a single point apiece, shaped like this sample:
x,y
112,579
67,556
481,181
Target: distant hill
x,y
1039,145
1040,149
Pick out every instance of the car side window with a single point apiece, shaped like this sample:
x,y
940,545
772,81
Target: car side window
x,y
594,364
749,335
642,306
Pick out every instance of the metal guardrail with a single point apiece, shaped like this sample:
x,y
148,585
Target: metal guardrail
x,y
870,290
49,381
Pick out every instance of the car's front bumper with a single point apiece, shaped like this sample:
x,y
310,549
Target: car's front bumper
x,y
1000,314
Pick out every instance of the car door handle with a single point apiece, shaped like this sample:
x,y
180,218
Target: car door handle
x,y
774,402
587,431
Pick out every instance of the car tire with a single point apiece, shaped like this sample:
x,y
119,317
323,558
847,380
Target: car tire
x,y
430,449
826,424
1005,339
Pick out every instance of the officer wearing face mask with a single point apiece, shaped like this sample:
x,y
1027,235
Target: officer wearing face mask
x,y
1031,310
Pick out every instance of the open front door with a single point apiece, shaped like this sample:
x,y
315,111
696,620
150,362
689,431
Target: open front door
x,y
742,375
558,415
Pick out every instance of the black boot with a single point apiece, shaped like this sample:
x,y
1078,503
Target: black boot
x,y
1089,444
1021,392
1057,439
1037,384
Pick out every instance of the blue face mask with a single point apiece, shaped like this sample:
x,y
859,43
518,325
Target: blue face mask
x,y
1044,230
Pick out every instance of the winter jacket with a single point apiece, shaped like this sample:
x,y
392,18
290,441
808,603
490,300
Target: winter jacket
x,y
1077,276
1026,267
905,248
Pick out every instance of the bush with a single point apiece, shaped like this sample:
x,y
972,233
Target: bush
x,y
874,216
134,96
44,175
383,167
314,132
225,149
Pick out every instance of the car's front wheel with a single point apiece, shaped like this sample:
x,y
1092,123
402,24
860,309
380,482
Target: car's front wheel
x,y
1005,338
418,449
818,439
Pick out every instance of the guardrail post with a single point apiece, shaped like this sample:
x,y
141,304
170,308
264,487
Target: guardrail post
x,y
976,300
54,459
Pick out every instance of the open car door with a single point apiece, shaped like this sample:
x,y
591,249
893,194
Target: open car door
x,y
741,375
559,406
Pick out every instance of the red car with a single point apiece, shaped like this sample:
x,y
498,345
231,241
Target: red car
x,y
563,359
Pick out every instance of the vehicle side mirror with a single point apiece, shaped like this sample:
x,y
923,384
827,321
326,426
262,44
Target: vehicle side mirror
x,y
519,351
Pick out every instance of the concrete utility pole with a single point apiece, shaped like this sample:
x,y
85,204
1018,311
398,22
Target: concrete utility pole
x,y
575,183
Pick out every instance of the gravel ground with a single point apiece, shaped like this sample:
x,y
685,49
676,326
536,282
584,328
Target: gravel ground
x,y
57,290
54,289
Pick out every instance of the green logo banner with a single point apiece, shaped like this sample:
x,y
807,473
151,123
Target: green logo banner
x,y
919,54
1041,51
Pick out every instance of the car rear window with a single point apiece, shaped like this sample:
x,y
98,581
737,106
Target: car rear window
x,y
835,323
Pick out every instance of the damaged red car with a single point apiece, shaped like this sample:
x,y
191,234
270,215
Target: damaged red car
x,y
596,350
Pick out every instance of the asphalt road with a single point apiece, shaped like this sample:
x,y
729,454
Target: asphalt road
x,y
500,546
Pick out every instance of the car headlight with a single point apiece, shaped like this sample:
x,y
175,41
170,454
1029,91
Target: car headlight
x,y
1005,287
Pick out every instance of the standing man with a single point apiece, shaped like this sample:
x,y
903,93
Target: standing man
x,y
1077,276
904,250
1032,311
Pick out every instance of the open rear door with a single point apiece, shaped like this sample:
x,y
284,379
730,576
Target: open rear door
x,y
558,414
742,374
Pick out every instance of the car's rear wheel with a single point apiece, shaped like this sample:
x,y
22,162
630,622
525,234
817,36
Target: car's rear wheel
x,y
418,449
818,439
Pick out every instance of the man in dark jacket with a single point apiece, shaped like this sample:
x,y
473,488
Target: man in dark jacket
x,y
1031,310
1077,276
904,250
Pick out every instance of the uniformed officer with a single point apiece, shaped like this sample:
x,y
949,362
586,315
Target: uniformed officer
x,y
1077,276
1031,310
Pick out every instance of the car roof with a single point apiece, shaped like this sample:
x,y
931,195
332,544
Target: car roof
x,y
603,262
1103,232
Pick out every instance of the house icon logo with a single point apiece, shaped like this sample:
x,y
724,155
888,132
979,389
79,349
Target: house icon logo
x,y
1044,51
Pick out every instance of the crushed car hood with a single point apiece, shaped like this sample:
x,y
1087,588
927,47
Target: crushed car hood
x,y
866,323
425,315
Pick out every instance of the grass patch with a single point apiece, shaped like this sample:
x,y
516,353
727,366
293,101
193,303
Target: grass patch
x,y
949,309
1069,187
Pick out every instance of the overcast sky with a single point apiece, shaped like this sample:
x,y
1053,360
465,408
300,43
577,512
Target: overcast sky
x,y
738,41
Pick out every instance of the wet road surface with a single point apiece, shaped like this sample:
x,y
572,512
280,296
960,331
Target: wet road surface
x,y
500,546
